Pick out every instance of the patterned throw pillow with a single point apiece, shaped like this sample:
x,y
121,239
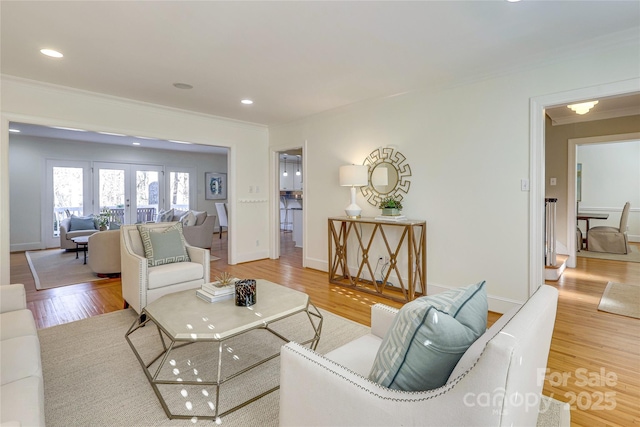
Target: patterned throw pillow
x,y
188,219
163,246
428,337
165,216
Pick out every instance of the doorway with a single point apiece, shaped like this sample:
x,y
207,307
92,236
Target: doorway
x,y
290,184
537,164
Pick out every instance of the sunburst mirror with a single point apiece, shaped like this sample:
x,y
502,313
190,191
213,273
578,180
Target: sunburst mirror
x,y
389,174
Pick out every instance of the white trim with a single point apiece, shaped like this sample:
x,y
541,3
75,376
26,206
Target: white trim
x,y
537,166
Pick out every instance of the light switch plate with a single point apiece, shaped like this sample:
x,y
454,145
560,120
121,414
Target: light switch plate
x,y
524,185
552,181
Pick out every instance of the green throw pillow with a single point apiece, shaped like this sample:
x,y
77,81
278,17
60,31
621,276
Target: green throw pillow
x,y
428,337
163,246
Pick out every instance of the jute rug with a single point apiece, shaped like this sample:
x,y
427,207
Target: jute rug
x,y
633,256
621,298
92,377
56,267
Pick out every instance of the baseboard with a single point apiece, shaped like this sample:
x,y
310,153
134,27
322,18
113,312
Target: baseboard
x,y
253,256
496,304
22,247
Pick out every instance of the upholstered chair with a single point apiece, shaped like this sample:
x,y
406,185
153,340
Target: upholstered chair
x,y
104,252
610,239
497,382
221,208
143,282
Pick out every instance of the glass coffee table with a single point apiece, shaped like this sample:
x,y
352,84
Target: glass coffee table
x,y
205,360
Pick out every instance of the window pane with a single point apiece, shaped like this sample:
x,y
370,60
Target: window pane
x,y
179,190
67,194
147,195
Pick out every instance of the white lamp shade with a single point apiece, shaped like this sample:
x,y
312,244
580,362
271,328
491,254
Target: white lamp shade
x,y
354,175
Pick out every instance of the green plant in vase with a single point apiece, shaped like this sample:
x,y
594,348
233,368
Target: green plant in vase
x,y
390,206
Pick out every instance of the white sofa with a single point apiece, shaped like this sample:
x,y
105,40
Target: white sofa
x,y
507,361
142,284
22,386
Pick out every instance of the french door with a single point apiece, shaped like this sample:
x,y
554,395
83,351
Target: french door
x,y
68,193
131,193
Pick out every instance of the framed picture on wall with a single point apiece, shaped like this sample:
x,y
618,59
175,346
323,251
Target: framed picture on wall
x,y
215,186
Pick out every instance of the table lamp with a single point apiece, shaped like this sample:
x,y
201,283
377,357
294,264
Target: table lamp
x,y
354,176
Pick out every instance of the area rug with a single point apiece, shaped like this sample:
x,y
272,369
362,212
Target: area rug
x,y
55,267
621,298
92,377
633,256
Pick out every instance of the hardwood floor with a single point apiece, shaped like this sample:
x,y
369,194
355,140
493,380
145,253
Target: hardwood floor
x,y
594,361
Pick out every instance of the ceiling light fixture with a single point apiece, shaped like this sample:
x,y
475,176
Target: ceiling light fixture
x,y
285,166
182,86
247,101
298,164
583,107
51,53
66,128
14,130
135,143
111,134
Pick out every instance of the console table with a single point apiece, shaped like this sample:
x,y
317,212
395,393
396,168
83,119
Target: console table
x,y
412,238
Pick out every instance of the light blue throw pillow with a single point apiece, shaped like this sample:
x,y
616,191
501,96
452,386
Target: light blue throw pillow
x,y
82,223
163,246
428,337
165,216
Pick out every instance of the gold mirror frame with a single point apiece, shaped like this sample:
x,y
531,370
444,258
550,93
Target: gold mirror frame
x,y
387,157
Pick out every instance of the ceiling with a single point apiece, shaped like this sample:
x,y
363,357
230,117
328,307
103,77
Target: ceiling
x,y
293,58
606,108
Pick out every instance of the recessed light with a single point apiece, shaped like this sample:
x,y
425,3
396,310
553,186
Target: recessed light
x,y
51,53
183,86
179,142
247,101
14,130
135,143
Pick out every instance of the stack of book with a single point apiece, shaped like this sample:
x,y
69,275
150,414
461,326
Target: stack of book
x,y
211,293
391,218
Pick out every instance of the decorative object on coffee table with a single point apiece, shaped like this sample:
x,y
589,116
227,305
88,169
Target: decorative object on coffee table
x,y
245,292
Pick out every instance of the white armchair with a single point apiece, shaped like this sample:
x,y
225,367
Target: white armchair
x,y
507,361
142,284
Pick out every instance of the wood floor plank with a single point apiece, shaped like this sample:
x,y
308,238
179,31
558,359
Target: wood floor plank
x,y
585,340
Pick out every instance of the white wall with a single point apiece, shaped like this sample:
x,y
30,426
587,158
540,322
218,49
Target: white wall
x,y
611,177
32,102
25,152
468,148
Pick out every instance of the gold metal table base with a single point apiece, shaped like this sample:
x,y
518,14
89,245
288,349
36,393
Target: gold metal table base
x,y
153,369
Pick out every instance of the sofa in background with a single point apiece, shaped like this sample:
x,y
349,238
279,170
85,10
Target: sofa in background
x,y
497,382
104,253
200,235
197,226
22,385
75,227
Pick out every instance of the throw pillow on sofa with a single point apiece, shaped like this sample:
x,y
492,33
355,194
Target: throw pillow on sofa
x,y
428,337
165,216
163,246
188,219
